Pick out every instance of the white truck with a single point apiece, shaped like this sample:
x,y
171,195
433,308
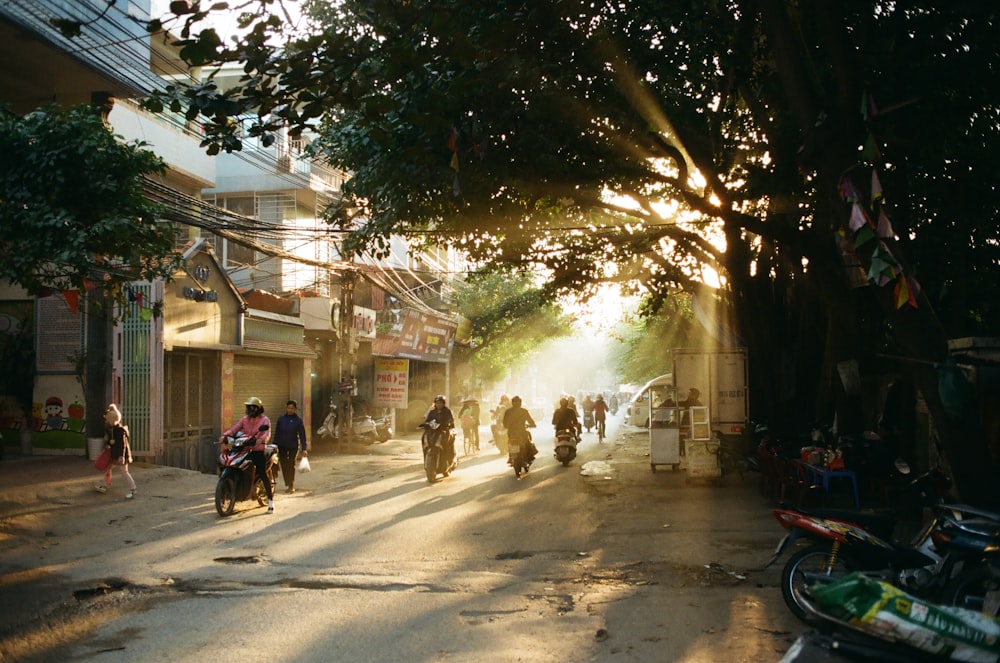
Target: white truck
x,y
720,376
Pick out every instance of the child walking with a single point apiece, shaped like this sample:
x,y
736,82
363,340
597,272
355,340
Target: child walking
x,y
116,437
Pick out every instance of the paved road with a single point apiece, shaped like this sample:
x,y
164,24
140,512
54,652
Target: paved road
x,y
368,562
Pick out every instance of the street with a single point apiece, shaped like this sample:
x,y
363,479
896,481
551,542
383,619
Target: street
x,y
369,562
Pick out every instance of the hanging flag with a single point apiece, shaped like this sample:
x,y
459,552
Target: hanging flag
x,y
453,140
858,218
138,297
847,191
870,151
903,293
876,188
145,314
89,285
865,235
885,230
72,298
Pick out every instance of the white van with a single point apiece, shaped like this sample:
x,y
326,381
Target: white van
x,y
637,412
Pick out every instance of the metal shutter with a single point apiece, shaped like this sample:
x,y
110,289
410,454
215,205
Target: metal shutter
x,y
263,377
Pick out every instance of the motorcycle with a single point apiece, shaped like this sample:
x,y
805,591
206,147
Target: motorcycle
x,y
500,438
518,452
944,561
565,447
383,428
439,451
238,480
588,420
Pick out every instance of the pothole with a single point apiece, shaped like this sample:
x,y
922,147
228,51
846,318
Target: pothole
x,y
242,559
516,554
105,588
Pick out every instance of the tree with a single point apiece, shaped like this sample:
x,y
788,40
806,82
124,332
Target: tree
x,y
508,317
75,218
609,142
72,205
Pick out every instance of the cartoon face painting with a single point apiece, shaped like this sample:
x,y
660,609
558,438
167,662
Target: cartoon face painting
x,y
52,413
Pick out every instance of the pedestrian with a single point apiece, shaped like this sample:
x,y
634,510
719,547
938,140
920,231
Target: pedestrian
x,y
116,438
290,436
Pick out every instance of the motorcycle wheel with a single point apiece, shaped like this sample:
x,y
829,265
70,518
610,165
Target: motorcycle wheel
x,y
431,463
977,588
225,496
807,567
383,436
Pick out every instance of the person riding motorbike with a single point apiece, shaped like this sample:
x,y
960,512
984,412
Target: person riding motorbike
x,y
439,421
250,425
516,420
572,405
564,418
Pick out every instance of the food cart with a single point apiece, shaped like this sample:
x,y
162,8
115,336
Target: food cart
x,y
700,449
664,427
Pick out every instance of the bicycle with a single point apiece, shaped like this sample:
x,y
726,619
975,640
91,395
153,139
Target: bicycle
x,y
600,431
469,443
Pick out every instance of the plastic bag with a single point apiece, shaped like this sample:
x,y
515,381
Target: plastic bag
x,y
886,612
304,464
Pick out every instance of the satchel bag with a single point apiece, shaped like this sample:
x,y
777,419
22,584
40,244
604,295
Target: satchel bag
x,y
103,461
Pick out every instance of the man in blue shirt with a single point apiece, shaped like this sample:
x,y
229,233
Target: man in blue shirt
x,y
289,435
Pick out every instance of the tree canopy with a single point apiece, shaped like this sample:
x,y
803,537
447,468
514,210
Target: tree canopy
x,y
507,316
72,206
828,160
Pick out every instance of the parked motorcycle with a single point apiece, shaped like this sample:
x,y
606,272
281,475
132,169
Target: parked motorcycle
x,y
519,453
950,550
439,451
565,446
238,480
383,428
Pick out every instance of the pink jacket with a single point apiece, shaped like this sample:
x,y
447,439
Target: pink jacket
x,y
251,428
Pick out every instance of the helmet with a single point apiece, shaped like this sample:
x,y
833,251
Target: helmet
x,y
600,397
563,402
254,406
440,399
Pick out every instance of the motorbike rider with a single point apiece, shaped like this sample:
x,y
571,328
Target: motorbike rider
x,y
517,420
498,413
576,411
439,421
250,425
564,418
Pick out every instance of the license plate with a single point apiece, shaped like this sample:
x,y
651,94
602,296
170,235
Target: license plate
x,y
515,449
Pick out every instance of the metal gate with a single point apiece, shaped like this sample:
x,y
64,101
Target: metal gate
x,y
192,387
137,357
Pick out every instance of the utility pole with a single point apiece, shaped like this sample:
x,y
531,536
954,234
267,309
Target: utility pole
x,y
346,386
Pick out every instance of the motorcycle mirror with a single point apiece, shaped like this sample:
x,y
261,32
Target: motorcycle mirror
x,y
264,427
902,466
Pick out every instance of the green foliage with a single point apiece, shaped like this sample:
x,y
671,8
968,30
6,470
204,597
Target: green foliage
x,y
72,205
510,318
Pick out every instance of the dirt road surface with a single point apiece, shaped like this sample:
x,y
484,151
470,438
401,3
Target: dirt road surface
x,y
603,561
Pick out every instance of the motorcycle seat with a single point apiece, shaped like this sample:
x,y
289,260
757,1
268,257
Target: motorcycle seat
x,y
879,523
